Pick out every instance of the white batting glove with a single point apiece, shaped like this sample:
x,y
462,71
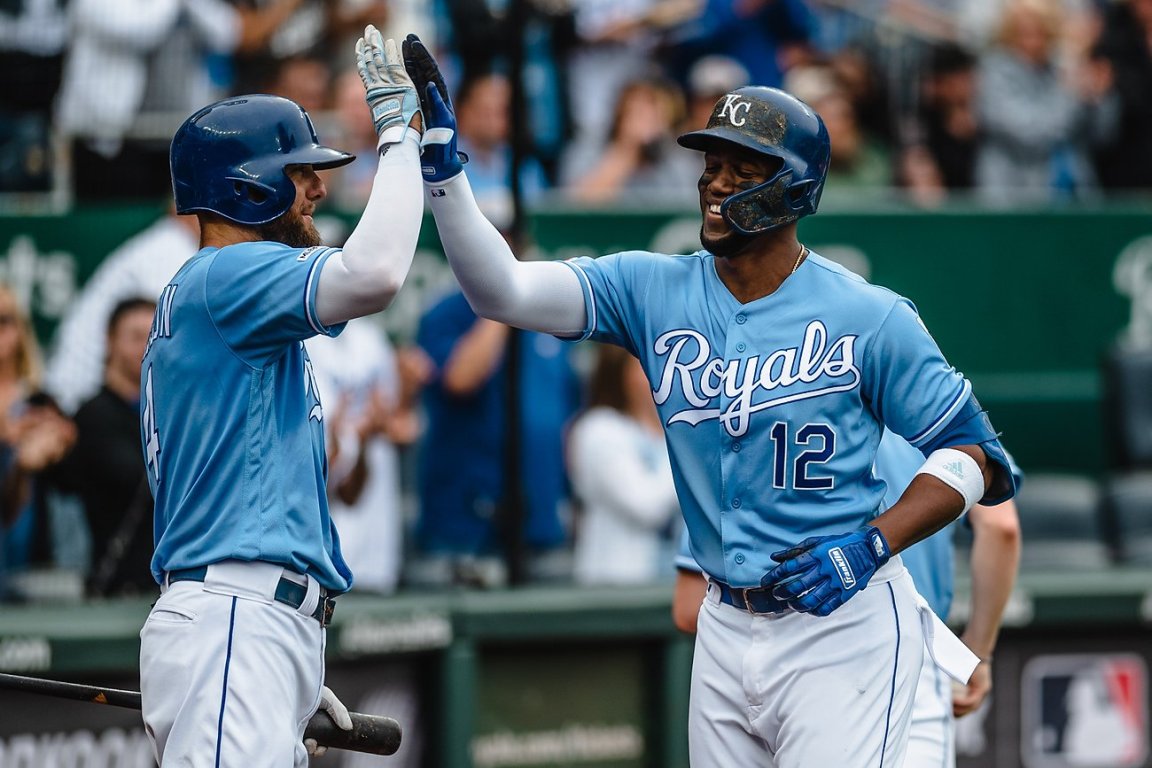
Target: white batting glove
x,y
388,89
339,714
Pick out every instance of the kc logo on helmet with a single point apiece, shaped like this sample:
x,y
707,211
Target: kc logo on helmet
x,y
732,109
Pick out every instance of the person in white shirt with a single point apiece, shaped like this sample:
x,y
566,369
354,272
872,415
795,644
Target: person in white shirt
x,y
619,469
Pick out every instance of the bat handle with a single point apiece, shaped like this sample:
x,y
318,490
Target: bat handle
x,y
373,734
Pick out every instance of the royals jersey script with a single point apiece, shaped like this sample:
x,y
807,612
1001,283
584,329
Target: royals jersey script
x,y
772,412
231,420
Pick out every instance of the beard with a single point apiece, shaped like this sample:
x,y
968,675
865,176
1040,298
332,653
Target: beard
x,y
727,245
292,230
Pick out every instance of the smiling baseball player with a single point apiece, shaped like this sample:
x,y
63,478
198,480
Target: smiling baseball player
x,y
774,371
232,654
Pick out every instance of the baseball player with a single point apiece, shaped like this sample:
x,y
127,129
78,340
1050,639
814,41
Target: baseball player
x,y
994,559
774,371
232,654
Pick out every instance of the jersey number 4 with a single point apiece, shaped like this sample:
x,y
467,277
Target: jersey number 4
x,y
151,435
814,444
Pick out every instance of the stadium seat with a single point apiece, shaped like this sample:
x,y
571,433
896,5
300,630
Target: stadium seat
x,y
1128,405
1128,504
1061,523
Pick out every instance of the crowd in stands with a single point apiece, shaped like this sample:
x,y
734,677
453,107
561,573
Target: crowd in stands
x,y
1007,102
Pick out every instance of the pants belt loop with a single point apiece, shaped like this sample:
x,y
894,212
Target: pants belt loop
x,y
311,598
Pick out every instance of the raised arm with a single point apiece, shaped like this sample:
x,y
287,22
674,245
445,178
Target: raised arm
x,y
365,276
539,296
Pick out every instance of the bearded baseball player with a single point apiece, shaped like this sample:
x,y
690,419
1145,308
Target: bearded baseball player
x,y
774,371
232,654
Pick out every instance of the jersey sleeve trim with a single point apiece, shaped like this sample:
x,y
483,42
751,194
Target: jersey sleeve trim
x,y
944,418
589,302
310,288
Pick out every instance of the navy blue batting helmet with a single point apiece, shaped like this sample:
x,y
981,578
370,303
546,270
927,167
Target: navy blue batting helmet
x,y
229,157
770,122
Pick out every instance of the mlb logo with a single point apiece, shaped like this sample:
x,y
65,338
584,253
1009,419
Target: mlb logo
x,y
1084,710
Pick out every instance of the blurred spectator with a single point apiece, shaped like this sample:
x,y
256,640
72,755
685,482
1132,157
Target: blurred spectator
x,y
641,159
32,38
34,437
1039,120
767,37
866,76
141,266
480,33
710,78
482,103
461,466
105,76
367,419
621,476
941,155
275,31
107,467
134,70
858,160
305,79
352,183
615,43
1126,43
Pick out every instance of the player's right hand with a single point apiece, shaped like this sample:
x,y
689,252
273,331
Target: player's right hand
x,y
821,573
390,92
439,158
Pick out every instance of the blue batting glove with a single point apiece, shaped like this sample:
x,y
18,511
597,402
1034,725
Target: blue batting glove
x,y
820,574
439,158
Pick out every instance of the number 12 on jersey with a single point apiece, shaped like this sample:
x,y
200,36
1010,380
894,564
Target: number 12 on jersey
x,y
812,444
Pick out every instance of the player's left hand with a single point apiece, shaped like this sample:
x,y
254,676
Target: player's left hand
x,y
390,92
439,158
966,699
339,714
821,573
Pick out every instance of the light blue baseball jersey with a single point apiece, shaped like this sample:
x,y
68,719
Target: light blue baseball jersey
x,y
231,422
930,562
773,410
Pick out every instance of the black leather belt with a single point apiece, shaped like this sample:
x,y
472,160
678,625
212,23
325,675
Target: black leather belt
x,y
287,591
751,599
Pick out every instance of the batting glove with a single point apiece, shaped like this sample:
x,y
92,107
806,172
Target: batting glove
x,y
339,714
820,574
390,92
439,158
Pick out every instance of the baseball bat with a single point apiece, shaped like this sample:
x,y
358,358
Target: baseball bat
x,y
373,734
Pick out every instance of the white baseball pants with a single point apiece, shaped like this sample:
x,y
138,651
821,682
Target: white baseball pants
x,y
228,677
793,690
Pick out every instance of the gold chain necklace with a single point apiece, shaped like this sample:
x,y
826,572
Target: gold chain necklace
x,y
799,258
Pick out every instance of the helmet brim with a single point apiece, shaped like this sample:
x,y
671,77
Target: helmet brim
x,y
319,157
703,139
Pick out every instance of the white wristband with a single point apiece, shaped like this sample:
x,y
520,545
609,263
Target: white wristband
x,y
958,471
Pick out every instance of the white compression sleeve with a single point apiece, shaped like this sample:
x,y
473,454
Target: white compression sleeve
x,y
364,277
540,296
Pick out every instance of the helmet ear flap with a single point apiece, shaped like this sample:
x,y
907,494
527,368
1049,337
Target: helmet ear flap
x,y
766,206
250,192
